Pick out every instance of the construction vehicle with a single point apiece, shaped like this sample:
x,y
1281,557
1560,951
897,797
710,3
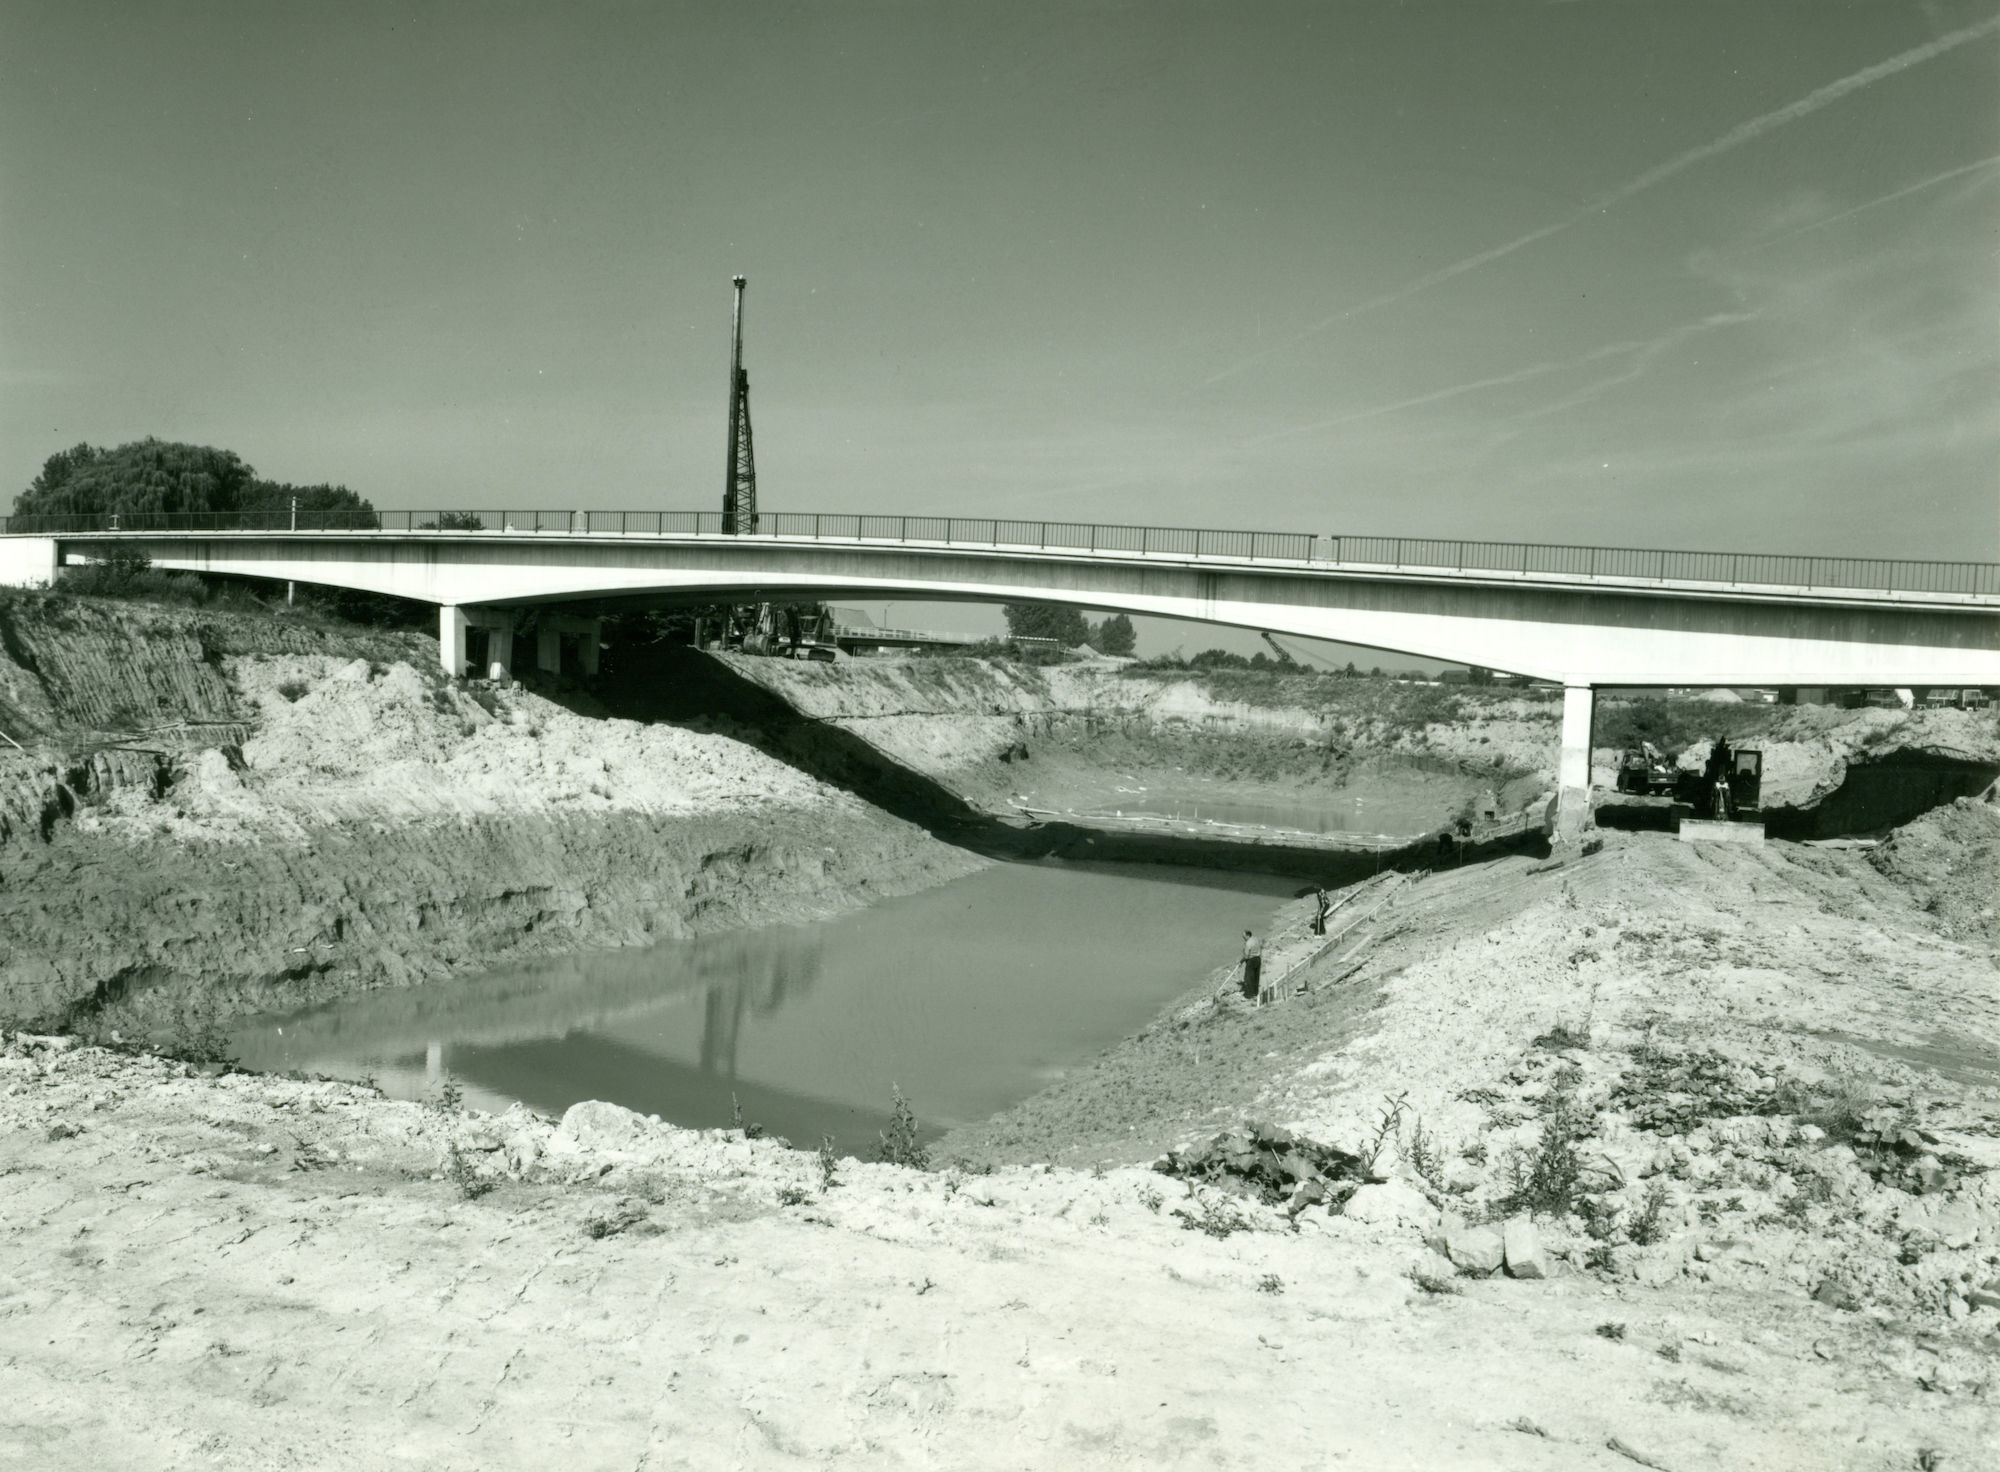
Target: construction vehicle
x,y
783,631
1646,771
1724,804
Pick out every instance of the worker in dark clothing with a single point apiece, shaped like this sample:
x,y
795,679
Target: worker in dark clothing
x,y
1253,966
1320,900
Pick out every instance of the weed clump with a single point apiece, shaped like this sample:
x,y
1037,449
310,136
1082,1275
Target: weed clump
x,y
1216,1218
828,1164
1271,1165
901,1142
458,1170
1649,1226
1547,1179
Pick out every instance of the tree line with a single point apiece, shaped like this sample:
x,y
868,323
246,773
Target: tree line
x,y
1069,628
153,475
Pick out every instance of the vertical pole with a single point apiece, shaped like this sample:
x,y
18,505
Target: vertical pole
x,y
1573,766
593,644
500,648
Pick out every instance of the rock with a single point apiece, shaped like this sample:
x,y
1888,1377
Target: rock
x,y
603,1126
1987,1297
214,774
1478,1251
1656,1272
1707,1251
1522,1246
1393,1203
1956,1224
1811,1134
1956,1307
522,1153
1836,1295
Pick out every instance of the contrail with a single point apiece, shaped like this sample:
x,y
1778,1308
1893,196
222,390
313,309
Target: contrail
x,y
1644,353
1892,196
1736,137
1519,375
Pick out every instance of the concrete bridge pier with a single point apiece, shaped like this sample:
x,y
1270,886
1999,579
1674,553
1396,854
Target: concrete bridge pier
x,y
451,638
1573,765
453,622
549,633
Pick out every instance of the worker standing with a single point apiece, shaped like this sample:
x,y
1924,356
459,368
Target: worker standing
x,y
1253,966
1320,900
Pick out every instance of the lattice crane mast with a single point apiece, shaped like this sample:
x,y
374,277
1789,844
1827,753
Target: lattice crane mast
x,y
739,489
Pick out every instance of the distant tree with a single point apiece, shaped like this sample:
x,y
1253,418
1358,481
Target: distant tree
x,y
1350,671
154,475
454,521
1047,621
1114,636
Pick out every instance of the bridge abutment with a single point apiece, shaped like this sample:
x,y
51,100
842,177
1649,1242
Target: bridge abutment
x,y
28,562
1573,764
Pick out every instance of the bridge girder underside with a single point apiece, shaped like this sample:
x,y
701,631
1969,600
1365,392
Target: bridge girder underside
x,y
1575,634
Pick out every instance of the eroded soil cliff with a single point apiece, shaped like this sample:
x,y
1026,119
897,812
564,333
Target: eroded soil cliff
x,y
256,805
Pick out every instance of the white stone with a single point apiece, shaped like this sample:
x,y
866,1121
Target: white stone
x,y
604,1126
1522,1244
1392,1203
1478,1250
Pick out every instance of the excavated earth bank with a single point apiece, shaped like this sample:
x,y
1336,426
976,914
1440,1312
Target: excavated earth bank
x,y
269,813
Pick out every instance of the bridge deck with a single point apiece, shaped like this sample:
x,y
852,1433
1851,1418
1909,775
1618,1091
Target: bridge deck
x,y
1732,574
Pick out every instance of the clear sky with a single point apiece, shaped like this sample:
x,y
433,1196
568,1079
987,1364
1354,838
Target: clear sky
x,y
1634,273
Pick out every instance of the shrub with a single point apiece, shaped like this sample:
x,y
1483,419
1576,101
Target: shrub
x,y
1546,1179
900,1143
1649,1226
458,1170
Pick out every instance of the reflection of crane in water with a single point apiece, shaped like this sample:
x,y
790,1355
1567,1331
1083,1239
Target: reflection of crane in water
x,y
784,975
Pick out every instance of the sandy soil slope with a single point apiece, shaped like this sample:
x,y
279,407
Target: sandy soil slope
x,y
254,1272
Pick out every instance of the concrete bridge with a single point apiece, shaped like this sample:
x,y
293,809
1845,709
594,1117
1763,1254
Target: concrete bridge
x,y
1580,616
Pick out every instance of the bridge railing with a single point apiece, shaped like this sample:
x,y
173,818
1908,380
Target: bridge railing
x,y
1414,554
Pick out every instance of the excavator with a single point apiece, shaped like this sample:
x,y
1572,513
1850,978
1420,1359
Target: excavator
x,y
782,630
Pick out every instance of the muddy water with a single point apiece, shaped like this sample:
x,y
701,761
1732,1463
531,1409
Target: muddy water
x,y
1408,804
969,997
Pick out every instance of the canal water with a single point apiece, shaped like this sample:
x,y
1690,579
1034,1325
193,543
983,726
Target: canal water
x,y
968,997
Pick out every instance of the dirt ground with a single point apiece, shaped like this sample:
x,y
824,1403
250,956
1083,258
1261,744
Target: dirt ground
x,y
1774,1247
